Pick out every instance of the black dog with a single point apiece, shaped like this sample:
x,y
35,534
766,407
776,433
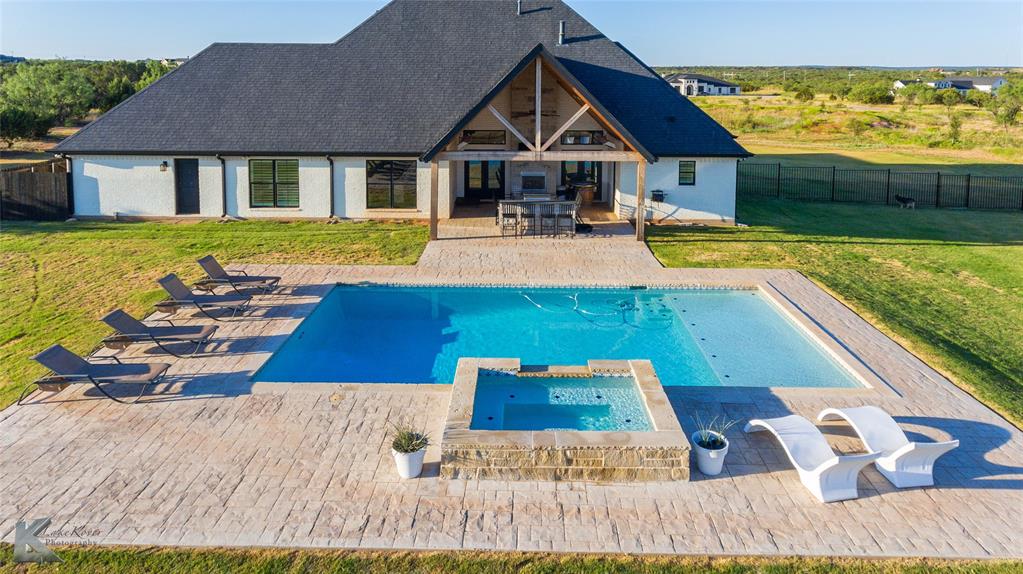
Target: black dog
x,y
906,202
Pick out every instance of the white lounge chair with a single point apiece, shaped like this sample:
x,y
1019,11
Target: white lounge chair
x,y
828,476
905,464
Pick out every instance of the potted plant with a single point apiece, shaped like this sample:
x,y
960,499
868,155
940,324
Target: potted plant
x,y
408,447
710,444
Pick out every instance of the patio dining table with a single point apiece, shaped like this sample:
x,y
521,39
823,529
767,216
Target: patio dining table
x,y
536,209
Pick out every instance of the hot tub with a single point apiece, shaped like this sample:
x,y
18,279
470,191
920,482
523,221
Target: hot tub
x,y
605,421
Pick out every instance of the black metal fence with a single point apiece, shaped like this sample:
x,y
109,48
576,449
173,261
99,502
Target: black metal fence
x,y
927,189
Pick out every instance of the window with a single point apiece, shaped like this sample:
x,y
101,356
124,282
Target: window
x,y
391,184
588,137
687,173
273,183
731,90
483,137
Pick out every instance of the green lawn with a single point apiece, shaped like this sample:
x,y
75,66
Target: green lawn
x,y
57,279
157,560
948,284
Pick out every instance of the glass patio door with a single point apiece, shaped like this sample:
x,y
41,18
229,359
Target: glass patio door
x,y
484,181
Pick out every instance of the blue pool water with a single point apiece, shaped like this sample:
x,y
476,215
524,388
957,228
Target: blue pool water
x,y
417,334
531,403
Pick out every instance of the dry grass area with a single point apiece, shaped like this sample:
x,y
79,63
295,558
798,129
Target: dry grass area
x,y
825,132
27,152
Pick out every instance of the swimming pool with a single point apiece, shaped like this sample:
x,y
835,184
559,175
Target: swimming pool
x,y
379,334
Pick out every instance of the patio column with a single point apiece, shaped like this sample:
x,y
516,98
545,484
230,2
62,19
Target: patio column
x,y
640,200
434,184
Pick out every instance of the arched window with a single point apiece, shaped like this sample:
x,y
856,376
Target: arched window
x,y
689,90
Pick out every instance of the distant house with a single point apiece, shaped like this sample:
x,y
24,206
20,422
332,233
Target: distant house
x,y
964,84
700,85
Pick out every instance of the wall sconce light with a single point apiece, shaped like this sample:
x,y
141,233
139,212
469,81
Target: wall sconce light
x,y
163,166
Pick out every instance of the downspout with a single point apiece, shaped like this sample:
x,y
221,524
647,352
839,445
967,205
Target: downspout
x,y
223,187
333,218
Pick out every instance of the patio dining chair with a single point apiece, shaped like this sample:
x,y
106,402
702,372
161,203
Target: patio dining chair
x,y
68,368
548,218
527,218
508,219
130,330
181,295
565,219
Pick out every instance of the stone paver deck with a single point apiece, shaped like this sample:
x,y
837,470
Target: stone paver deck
x,y
212,459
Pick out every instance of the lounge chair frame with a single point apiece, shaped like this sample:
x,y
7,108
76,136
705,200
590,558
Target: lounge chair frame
x,y
148,337
197,303
63,381
217,275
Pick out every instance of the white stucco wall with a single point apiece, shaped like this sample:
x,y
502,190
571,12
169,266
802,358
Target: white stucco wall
x,y
711,199
350,176
135,186
313,190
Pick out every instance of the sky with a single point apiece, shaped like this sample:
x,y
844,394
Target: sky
x,y
663,33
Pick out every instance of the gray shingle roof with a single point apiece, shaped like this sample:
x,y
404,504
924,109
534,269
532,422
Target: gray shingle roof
x,y
975,80
395,85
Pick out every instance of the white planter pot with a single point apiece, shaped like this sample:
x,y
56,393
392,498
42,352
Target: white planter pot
x,y
410,465
709,461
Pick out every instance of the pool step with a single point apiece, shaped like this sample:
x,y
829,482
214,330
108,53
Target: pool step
x,y
555,371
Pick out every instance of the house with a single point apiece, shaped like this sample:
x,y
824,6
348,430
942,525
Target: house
x,y
421,108
899,84
964,84
700,85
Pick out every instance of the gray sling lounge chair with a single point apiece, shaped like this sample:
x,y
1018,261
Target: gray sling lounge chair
x,y
181,295
68,368
131,330
219,276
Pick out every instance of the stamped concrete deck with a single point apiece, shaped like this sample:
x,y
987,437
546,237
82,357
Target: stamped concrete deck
x,y
212,459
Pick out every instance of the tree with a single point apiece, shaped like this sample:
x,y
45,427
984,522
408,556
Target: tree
x,y
1005,111
113,81
804,94
56,90
918,94
856,126
955,125
872,93
154,71
117,90
978,98
17,124
950,97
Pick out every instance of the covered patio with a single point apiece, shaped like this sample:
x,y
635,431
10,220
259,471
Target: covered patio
x,y
537,147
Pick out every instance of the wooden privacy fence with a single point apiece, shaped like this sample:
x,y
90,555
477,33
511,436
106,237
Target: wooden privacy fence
x,y
36,196
927,189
